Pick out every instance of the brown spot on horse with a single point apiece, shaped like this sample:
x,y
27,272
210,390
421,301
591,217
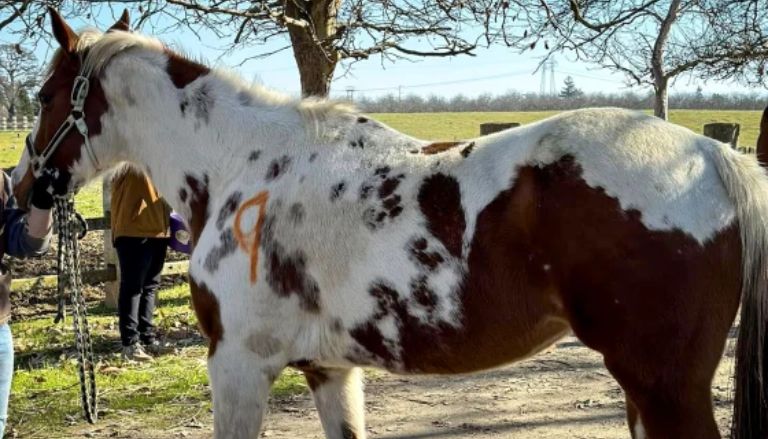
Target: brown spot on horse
x,y
467,150
208,314
229,208
181,71
440,202
198,205
227,246
277,167
438,147
338,190
389,186
418,252
296,213
287,275
423,294
287,271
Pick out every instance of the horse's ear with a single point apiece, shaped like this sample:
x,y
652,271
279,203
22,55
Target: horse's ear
x,y
64,34
123,24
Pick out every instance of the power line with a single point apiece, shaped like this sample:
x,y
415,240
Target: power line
x,y
582,75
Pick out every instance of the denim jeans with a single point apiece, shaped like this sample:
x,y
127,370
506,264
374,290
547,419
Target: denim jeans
x,y
6,373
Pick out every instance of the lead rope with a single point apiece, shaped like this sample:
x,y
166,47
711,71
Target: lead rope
x,y
70,228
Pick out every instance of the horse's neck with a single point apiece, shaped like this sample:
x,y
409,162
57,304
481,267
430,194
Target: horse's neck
x,y
202,132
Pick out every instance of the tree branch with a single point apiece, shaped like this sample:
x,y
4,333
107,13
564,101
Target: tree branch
x,y
16,13
600,27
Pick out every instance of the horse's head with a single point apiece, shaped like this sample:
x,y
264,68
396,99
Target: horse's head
x,y
71,105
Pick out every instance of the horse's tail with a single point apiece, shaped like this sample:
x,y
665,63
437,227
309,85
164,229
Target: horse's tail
x,y
762,139
747,186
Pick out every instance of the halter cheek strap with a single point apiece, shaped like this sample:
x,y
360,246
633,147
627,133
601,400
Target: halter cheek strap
x,y
75,119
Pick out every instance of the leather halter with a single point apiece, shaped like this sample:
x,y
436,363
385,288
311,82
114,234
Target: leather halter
x,y
75,119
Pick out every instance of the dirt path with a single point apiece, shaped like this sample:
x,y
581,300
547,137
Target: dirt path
x,y
564,393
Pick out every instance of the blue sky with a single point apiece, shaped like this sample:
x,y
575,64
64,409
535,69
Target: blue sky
x,y
494,71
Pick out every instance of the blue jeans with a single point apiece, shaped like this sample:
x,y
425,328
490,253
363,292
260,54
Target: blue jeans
x,y
6,373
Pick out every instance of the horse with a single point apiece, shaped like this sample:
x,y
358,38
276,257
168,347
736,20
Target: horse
x,y
761,148
325,240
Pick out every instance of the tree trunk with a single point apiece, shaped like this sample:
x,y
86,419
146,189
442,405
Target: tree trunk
x,y
660,79
316,64
661,100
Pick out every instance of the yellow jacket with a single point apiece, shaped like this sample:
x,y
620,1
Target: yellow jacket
x,y
137,208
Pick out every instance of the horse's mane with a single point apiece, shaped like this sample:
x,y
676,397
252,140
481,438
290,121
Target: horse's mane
x,y
86,39
100,48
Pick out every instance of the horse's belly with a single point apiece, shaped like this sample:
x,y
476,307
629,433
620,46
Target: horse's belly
x,y
475,346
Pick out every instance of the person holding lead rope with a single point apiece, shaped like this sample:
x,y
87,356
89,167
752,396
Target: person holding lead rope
x,y
22,234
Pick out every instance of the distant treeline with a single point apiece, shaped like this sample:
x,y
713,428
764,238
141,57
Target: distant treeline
x,y
516,101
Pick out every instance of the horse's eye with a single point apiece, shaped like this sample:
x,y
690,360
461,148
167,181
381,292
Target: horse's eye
x,y
44,99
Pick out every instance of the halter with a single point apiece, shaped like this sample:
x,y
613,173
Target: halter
x,y
75,119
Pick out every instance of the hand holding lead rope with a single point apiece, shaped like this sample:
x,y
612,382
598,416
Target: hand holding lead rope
x,y
50,184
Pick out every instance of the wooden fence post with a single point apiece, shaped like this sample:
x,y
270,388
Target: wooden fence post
x,y
495,127
724,132
111,288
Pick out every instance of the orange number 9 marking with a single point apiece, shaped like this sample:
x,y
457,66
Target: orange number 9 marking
x,y
249,242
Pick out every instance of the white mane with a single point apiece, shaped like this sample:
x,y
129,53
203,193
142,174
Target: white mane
x,y
102,48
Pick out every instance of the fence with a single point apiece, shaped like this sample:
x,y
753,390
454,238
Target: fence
x,y
20,123
728,133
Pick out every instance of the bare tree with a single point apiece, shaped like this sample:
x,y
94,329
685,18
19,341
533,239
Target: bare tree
x,y
321,33
18,72
652,42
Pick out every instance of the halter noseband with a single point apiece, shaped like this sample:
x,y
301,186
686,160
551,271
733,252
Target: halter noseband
x,y
75,119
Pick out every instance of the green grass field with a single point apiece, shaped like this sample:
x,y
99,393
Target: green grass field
x,y
45,399
174,389
464,125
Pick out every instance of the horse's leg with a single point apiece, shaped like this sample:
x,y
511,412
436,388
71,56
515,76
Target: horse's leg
x,y
667,400
338,396
240,381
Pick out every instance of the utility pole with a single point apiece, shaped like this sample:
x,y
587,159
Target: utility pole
x,y
548,84
351,94
552,85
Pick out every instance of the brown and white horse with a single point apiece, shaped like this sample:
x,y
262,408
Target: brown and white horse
x,y
325,240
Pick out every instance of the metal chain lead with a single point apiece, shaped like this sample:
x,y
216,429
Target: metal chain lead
x,y
70,284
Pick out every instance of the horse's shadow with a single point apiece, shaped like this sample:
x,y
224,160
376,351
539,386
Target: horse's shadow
x,y
466,429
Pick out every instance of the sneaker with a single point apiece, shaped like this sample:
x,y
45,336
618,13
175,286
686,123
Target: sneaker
x,y
135,352
154,347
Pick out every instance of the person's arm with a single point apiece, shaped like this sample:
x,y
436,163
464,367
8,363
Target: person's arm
x,y
29,233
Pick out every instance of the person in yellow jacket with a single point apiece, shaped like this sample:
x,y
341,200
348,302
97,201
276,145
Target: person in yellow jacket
x,y
140,220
